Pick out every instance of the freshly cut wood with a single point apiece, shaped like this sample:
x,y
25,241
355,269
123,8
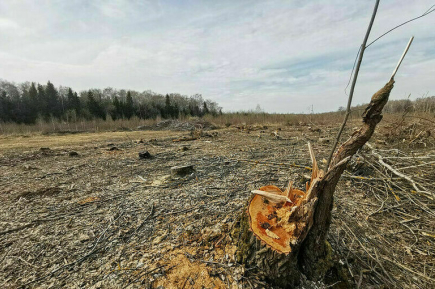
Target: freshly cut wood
x,y
277,218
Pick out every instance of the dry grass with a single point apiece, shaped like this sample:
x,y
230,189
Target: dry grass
x,y
56,141
224,120
282,119
97,125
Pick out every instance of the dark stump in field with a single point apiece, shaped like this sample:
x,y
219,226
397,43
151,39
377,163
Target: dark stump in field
x,y
182,170
145,155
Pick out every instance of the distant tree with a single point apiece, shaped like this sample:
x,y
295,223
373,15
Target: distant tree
x,y
70,99
205,109
33,102
166,113
116,112
175,111
78,105
73,102
27,113
95,107
128,107
42,102
5,107
258,109
341,109
33,93
25,102
54,105
194,104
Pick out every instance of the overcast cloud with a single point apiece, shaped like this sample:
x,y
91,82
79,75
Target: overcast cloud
x,y
283,55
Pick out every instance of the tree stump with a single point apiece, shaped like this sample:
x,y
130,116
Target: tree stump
x,y
282,234
275,268
182,170
145,155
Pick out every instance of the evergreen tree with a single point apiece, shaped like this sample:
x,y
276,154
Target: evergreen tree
x,y
128,107
27,114
175,111
54,105
77,104
95,107
205,109
73,101
195,111
5,107
33,93
70,99
25,102
167,110
116,111
33,99
42,102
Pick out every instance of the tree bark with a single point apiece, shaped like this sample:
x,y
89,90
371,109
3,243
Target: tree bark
x,y
275,268
314,244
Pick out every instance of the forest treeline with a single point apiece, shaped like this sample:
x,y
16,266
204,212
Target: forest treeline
x,y
29,102
424,104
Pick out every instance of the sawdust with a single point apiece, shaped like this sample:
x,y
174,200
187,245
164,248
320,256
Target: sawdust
x,y
188,274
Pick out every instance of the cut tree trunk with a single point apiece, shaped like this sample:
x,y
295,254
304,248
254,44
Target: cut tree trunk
x,y
282,234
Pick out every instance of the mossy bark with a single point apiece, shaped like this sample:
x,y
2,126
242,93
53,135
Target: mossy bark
x,y
275,268
284,271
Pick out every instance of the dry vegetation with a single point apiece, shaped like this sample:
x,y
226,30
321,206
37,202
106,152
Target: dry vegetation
x,y
225,120
104,218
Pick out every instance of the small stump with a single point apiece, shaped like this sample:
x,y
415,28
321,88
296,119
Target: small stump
x,y
184,148
145,155
182,170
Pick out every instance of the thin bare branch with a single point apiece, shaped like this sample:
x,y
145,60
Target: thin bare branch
x,y
430,10
352,88
401,58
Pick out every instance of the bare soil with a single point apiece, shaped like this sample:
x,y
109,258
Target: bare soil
x,y
105,218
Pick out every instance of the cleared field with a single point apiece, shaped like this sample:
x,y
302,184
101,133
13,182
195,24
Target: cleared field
x,y
105,218
36,141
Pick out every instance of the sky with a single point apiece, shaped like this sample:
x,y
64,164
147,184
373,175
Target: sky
x,y
286,56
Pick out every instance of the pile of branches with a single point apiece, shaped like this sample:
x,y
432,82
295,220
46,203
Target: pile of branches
x,y
389,230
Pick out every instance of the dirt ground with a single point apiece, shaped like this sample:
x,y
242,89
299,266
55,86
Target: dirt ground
x,y
85,211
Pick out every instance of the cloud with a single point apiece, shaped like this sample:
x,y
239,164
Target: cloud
x,y
283,55
6,24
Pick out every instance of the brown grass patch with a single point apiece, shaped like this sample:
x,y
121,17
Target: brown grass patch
x,y
11,142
